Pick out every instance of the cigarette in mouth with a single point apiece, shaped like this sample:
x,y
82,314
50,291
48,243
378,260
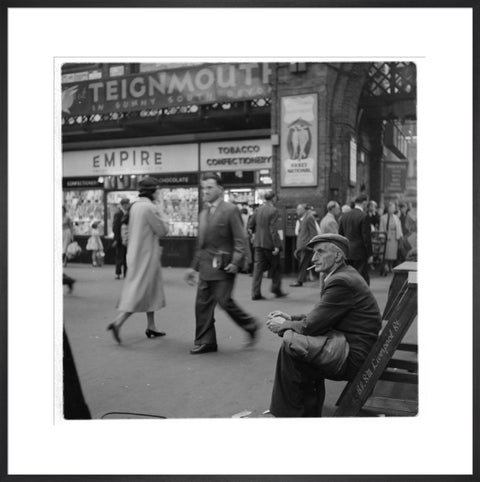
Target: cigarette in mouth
x,y
311,267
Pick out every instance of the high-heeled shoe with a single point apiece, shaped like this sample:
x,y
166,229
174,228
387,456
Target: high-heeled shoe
x,y
115,332
153,333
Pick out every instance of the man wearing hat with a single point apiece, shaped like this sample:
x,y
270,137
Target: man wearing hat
x,y
332,341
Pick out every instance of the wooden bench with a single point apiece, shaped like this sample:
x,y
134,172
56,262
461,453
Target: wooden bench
x,y
400,311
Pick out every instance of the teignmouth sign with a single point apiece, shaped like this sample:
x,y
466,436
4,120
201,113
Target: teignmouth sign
x,y
202,84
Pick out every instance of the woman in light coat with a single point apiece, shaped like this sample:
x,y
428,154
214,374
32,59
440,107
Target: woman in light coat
x,y
143,286
390,224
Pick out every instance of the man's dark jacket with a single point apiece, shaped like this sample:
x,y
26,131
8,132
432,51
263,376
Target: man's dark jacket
x,y
264,223
222,233
348,306
355,226
116,226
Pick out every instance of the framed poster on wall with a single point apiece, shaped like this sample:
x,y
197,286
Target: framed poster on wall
x,y
299,140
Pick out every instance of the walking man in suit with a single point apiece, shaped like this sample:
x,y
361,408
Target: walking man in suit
x,y
120,248
267,245
307,229
332,341
355,226
218,258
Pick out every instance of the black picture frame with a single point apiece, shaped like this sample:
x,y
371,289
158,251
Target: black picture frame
x,y
5,188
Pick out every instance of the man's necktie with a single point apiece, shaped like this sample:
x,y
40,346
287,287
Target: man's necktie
x,y
209,212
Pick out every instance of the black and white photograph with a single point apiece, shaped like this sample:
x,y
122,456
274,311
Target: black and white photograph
x,y
188,186
240,242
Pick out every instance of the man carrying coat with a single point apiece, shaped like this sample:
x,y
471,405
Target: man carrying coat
x,y
332,341
219,256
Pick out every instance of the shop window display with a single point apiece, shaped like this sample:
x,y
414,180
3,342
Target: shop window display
x,y
181,207
240,196
84,208
247,196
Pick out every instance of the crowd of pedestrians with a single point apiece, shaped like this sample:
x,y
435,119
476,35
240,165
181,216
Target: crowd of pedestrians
x,y
328,342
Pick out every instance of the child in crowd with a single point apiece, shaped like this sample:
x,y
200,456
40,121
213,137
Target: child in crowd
x,y
95,245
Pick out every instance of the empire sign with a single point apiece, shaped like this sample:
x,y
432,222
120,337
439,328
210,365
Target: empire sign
x,y
175,87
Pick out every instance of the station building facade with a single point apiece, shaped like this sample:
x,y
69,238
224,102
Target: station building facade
x,y
311,132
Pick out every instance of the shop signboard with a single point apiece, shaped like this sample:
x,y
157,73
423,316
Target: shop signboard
x,y
201,84
299,140
185,179
394,177
131,160
82,182
244,155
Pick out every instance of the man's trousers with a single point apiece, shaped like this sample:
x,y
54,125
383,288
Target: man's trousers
x,y
264,259
209,293
120,259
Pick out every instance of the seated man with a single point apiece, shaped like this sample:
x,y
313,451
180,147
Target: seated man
x,y
332,341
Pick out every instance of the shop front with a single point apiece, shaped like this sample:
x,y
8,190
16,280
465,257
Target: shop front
x,y
96,180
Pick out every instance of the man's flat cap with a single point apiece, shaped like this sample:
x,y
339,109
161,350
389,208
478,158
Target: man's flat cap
x,y
336,239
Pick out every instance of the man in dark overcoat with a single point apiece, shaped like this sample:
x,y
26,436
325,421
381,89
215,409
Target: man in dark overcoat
x,y
332,341
220,252
120,248
355,226
264,225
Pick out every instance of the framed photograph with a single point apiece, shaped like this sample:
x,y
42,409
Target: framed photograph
x,y
89,118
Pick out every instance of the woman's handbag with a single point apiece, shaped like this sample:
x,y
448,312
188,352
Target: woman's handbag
x,y
73,250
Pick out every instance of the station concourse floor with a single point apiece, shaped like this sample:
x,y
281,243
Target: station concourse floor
x,y
158,377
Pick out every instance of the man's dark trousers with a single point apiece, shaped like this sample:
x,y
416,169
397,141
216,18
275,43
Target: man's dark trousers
x,y
298,390
120,259
209,293
264,259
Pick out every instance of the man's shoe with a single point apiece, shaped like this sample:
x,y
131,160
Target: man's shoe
x,y
258,297
252,336
117,276
296,284
280,294
205,348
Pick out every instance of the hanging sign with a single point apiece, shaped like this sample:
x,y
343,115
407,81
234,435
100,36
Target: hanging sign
x,y
299,139
394,176
202,84
131,160
246,155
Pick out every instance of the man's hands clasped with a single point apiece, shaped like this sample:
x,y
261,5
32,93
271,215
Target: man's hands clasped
x,y
276,319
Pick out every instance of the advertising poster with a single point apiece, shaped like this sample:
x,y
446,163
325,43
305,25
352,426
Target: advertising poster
x,y
299,139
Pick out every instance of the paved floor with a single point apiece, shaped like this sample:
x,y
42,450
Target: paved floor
x,y
159,376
